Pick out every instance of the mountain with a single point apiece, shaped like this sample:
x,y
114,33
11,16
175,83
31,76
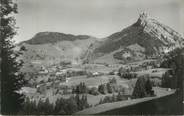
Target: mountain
x,y
145,38
54,37
48,48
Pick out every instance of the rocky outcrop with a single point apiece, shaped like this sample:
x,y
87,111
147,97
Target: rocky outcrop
x,y
154,37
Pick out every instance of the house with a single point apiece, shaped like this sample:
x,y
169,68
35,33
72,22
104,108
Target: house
x,y
61,76
95,73
43,71
42,88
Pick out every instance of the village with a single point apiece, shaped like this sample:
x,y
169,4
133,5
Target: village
x,y
61,80
99,57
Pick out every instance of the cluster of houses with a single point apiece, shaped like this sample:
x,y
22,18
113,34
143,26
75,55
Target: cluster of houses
x,y
54,79
53,88
140,67
50,80
53,73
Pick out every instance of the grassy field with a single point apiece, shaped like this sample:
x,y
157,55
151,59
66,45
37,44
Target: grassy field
x,y
90,82
94,81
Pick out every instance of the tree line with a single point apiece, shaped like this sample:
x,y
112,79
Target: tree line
x,y
62,106
110,87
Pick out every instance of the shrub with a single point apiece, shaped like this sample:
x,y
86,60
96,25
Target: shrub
x,y
168,81
102,88
128,75
110,88
113,80
121,97
81,88
113,98
93,91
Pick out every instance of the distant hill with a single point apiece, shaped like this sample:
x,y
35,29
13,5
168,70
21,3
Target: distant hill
x,y
146,37
54,37
48,48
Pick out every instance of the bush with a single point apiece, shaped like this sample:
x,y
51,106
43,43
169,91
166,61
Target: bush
x,y
93,91
169,81
102,88
121,97
107,99
110,88
113,80
113,98
128,75
80,89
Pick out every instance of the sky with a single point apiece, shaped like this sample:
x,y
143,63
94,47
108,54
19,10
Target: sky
x,y
98,18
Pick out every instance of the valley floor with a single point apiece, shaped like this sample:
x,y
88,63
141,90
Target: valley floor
x,y
53,87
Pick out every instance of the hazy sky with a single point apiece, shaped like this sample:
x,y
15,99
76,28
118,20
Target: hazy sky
x,y
98,18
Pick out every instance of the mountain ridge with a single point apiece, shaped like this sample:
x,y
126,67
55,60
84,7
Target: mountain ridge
x,y
53,37
143,39
148,33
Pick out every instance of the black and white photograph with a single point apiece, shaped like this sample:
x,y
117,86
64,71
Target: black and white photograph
x,y
92,57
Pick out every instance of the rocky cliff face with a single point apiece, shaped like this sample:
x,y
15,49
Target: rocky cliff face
x,y
147,34
162,32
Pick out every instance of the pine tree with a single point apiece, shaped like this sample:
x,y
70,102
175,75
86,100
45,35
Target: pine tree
x,y
110,88
30,107
148,87
27,107
71,106
84,101
59,106
140,90
102,89
12,80
114,98
119,96
143,87
78,101
48,107
101,101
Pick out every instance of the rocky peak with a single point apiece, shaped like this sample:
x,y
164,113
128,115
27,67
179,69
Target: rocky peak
x,y
143,19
